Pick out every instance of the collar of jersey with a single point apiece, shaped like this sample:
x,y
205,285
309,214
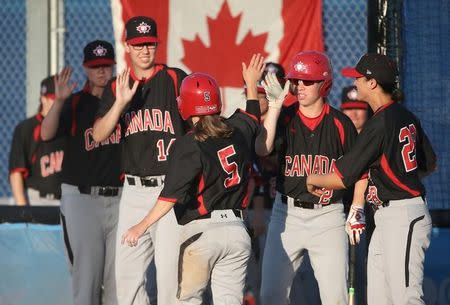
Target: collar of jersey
x,y
312,123
383,107
144,80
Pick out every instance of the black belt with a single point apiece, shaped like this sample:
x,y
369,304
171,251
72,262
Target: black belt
x,y
147,182
236,212
376,207
300,204
385,204
106,191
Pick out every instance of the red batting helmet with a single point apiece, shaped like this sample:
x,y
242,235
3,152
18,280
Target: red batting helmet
x,y
312,65
199,95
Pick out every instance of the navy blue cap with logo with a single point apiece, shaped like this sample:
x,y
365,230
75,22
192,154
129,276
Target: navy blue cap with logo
x,y
140,30
98,53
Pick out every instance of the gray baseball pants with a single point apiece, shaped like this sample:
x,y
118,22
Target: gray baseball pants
x,y
213,250
160,243
397,253
294,230
89,224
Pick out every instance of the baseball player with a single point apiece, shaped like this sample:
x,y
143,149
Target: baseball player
x,y
91,178
397,153
314,136
210,191
143,100
356,110
35,165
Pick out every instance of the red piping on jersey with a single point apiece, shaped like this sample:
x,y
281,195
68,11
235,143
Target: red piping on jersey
x,y
37,129
174,77
74,105
156,69
33,158
75,101
340,129
337,172
391,175
201,203
113,87
173,200
384,107
312,123
21,170
254,117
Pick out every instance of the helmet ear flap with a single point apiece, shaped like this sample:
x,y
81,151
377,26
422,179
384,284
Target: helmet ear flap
x,y
326,87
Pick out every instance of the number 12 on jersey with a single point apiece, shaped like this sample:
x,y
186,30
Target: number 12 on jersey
x,y
231,168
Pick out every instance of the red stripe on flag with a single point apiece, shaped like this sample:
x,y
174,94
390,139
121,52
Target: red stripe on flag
x,y
302,28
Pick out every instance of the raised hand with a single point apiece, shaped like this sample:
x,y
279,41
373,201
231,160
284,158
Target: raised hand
x,y
274,92
253,72
63,85
124,93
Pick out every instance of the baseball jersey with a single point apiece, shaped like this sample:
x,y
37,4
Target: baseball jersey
x,y
39,162
265,176
312,146
150,123
88,162
397,152
211,175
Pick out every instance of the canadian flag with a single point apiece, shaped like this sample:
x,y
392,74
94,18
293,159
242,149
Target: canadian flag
x,y
216,36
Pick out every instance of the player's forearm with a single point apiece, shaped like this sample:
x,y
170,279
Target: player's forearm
x,y
160,209
358,194
50,123
266,138
18,188
329,181
104,126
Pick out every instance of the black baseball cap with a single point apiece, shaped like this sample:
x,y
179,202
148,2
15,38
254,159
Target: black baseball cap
x,y
376,66
141,29
98,53
349,99
48,87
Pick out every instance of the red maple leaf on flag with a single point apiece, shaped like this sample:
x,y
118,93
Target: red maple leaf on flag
x,y
224,56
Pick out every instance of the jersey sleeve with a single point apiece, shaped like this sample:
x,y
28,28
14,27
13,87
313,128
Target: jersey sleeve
x,y
247,123
107,100
18,156
367,148
252,109
426,157
183,169
65,119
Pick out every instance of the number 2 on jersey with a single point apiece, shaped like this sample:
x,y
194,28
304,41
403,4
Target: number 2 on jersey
x,y
163,153
231,168
408,135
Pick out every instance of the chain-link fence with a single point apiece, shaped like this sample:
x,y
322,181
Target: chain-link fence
x,y
13,78
345,31
85,21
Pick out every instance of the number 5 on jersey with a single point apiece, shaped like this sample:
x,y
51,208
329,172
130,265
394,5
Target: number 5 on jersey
x,y
231,168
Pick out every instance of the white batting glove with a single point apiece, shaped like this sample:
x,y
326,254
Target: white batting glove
x,y
356,224
274,93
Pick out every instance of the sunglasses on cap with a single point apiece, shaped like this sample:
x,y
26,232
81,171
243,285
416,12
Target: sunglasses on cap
x,y
305,82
